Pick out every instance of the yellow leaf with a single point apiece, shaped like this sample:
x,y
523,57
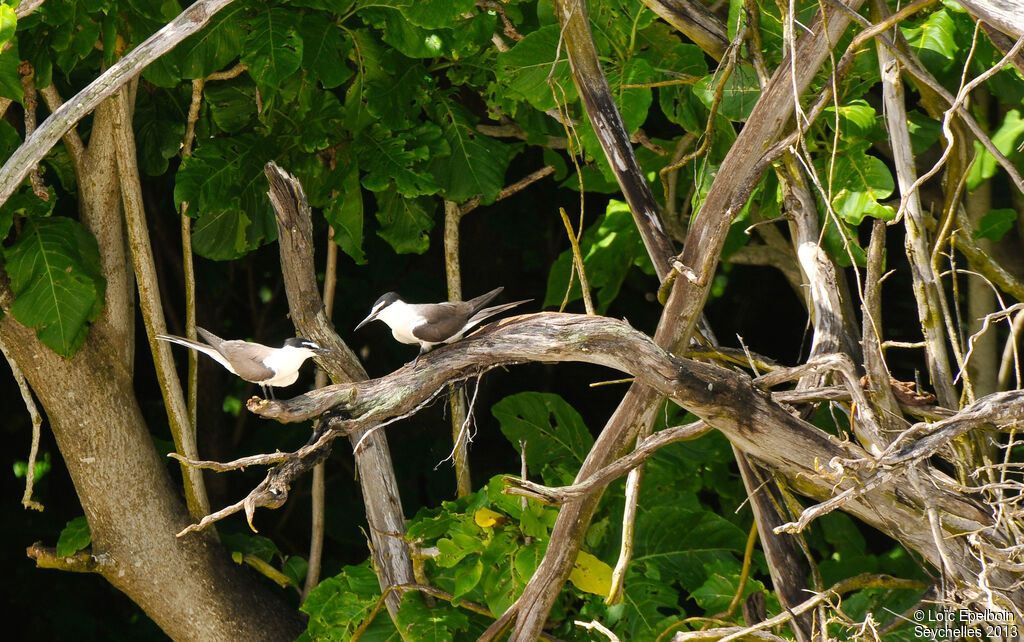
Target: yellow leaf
x,y
591,574
485,517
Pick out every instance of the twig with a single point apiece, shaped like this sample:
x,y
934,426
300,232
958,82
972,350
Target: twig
x,y
318,489
80,562
508,190
152,312
644,450
859,582
457,398
29,89
37,422
577,261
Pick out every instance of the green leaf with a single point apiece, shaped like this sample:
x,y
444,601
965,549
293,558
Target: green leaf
x,y
295,568
422,622
859,182
345,214
338,605
8,23
10,80
324,51
1005,139
273,50
477,163
739,93
708,544
220,233
56,281
404,222
224,182
856,119
994,225
159,129
255,545
611,247
715,594
466,578
435,14
75,537
935,38
924,131
43,466
552,429
404,36
202,53
524,69
232,104
391,158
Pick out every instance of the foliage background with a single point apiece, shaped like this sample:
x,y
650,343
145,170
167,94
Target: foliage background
x,y
375,106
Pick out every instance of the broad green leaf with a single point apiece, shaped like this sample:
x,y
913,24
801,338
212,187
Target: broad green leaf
x,y
10,80
994,225
390,158
8,23
255,545
159,129
935,38
220,233
339,604
467,578
295,568
924,131
405,222
856,119
859,182
477,163
202,53
75,537
56,280
739,93
611,247
436,14
1005,139
552,429
524,69
647,598
319,129
345,214
421,622
686,546
715,595
367,54
396,101
406,37
324,51
273,50
232,104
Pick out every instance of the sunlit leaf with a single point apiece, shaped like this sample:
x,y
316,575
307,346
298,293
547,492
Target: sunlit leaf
x,y
56,281
75,537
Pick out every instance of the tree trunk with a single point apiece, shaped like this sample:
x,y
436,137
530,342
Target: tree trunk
x,y
188,586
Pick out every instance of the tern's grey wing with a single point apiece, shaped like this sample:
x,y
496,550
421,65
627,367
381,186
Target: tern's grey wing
x,y
487,313
209,337
247,359
478,303
441,321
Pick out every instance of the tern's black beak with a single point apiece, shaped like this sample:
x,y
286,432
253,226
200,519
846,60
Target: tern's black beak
x,y
373,316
